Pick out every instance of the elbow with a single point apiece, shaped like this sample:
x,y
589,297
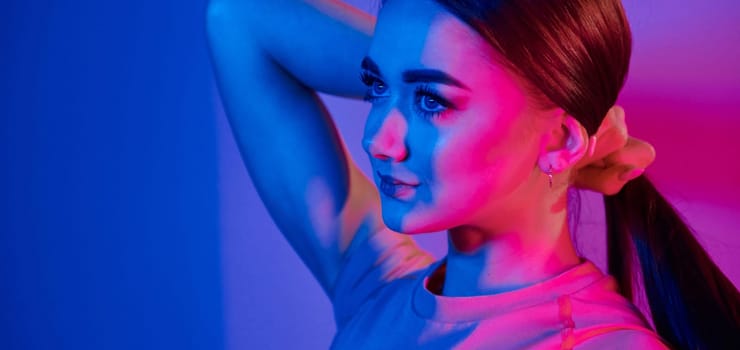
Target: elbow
x,y
228,19
217,14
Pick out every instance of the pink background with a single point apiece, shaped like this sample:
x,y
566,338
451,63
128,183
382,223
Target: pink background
x,y
682,95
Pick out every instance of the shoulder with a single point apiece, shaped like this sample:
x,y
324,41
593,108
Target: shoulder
x,y
372,264
600,305
604,319
624,339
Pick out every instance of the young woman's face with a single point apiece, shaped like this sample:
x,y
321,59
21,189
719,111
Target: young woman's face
x,y
452,137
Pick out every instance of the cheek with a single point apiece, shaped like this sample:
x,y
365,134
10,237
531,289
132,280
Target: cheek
x,y
477,166
454,174
465,171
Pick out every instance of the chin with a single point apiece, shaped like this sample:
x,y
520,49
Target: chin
x,y
411,224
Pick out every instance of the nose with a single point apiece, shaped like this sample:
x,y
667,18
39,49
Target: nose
x,y
388,140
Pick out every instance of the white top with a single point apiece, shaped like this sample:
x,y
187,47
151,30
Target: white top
x,y
382,300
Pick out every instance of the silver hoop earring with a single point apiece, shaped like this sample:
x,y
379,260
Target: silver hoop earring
x,y
549,175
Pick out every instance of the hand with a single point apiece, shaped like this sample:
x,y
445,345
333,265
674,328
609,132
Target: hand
x,y
614,158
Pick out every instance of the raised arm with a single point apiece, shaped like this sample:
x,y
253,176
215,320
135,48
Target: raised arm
x,y
270,57
319,43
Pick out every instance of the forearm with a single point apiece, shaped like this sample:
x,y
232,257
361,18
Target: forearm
x,y
318,42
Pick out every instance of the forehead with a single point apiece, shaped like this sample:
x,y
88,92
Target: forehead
x,y
422,34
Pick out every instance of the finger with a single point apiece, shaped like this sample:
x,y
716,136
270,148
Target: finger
x,y
602,180
612,134
636,153
610,137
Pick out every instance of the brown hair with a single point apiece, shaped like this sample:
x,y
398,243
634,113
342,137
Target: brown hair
x,y
576,53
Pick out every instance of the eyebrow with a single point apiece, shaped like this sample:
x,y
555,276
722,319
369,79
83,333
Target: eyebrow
x,y
417,75
431,76
369,64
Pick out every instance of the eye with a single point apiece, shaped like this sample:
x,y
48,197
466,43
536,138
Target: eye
x,y
429,103
376,88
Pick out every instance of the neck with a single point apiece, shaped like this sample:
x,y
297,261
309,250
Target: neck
x,y
484,261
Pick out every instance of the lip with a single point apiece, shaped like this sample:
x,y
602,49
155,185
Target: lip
x,y
394,181
395,188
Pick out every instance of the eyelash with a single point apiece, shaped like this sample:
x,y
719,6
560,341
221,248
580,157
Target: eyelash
x,y
424,90
421,91
369,81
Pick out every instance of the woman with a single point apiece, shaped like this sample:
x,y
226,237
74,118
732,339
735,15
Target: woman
x,y
483,115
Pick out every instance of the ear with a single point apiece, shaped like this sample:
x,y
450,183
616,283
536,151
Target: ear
x,y
564,146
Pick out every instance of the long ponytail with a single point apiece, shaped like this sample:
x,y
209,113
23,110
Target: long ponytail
x,y
693,304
